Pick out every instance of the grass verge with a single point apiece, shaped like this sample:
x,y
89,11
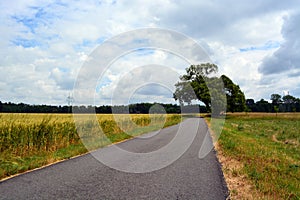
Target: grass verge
x,y
260,154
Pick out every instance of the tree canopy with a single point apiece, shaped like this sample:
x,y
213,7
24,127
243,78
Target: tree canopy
x,y
289,99
193,84
235,97
207,88
276,99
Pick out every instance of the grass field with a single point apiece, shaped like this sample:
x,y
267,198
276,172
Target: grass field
x,y
28,141
266,151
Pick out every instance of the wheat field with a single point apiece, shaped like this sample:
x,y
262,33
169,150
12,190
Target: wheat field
x,y
28,141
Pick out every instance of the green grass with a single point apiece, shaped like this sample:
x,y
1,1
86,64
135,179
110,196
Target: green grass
x,y
28,141
268,147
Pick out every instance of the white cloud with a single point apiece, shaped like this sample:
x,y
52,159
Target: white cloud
x,y
43,44
286,58
242,68
130,74
281,69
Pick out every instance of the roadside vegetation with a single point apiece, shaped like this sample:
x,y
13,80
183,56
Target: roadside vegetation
x,y
260,154
29,141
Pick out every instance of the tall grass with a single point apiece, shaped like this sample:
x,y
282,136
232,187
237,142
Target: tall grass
x,y
28,141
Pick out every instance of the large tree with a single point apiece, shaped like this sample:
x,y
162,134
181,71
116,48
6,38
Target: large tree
x,y
209,89
235,97
193,84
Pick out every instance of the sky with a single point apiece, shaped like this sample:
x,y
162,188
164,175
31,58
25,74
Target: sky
x,y
45,44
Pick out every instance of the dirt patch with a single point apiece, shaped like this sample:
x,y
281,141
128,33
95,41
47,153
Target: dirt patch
x,y
292,142
237,184
274,138
234,125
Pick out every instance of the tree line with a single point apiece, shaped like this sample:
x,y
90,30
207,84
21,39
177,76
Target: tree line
x,y
286,103
139,108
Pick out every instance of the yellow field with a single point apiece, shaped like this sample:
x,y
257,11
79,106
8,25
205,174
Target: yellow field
x,y
35,118
28,141
294,115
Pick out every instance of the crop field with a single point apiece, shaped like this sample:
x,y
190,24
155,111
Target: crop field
x,y
28,141
267,152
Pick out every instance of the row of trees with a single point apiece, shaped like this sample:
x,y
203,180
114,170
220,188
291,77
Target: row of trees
x,y
26,108
142,108
287,103
287,99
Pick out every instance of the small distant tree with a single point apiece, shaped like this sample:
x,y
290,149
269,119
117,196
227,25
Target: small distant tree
x,y
276,99
250,102
276,109
263,106
247,110
289,99
262,101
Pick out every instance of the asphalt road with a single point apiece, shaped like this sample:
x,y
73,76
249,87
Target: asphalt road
x,y
85,177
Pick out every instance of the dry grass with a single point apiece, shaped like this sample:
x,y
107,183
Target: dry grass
x,y
256,115
238,185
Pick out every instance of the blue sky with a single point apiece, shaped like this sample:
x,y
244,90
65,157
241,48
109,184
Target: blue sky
x,y
43,45
265,47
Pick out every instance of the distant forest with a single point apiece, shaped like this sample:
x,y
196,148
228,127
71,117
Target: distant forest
x,y
286,103
139,108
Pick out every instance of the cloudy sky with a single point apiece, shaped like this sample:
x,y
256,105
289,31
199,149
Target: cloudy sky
x,y
43,46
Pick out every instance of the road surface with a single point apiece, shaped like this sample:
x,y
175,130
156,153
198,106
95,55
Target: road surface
x,y
85,177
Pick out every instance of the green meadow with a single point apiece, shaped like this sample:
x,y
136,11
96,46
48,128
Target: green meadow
x,y
267,147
